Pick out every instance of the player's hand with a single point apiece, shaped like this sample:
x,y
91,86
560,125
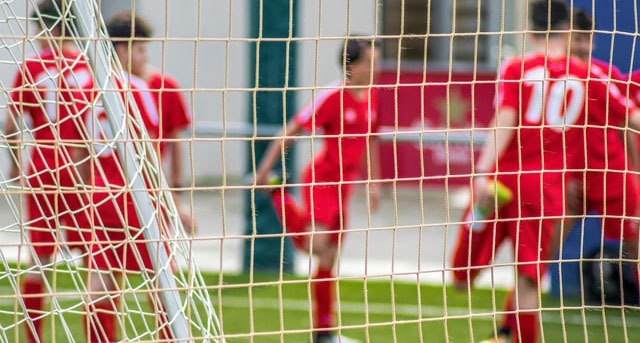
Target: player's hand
x,y
482,193
374,197
184,214
15,176
261,178
188,222
14,173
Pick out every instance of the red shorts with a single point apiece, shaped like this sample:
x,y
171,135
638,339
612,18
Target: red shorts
x,y
118,243
617,212
54,217
530,237
327,202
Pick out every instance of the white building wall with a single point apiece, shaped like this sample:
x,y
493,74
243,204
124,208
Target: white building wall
x,y
202,43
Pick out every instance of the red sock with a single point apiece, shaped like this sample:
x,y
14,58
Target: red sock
x,y
526,328
165,334
294,221
100,323
32,296
323,299
508,322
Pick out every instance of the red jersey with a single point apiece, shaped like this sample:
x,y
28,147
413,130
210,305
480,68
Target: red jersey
x,y
50,89
113,204
608,69
172,109
345,122
555,98
634,94
605,149
109,163
634,87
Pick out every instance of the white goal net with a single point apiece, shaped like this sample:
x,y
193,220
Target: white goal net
x,y
310,171
70,108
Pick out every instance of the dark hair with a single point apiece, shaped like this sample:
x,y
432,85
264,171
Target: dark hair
x,y
582,21
48,13
353,48
549,15
122,27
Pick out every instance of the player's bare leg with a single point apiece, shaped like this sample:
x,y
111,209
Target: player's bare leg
x,y
526,319
100,321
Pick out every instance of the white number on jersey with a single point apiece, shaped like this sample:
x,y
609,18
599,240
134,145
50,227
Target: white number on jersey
x,y
559,109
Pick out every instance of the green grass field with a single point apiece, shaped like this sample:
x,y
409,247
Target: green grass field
x,y
376,310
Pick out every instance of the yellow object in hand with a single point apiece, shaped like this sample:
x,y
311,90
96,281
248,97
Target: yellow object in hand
x,y
502,192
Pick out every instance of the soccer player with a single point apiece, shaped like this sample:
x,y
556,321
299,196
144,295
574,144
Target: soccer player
x,y
48,88
173,111
346,114
544,101
634,90
610,189
115,220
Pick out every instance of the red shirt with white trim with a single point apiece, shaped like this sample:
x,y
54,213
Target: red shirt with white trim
x,y
173,111
50,88
108,161
634,94
555,99
344,122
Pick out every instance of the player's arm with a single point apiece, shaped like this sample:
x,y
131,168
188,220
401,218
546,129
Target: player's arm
x,y
19,97
177,159
177,117
634,119
497,141
632,150
374,187
502,127
621,110
82,156
12,131
176,181
274,151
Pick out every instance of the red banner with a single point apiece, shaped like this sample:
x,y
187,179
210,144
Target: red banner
x,y
436,115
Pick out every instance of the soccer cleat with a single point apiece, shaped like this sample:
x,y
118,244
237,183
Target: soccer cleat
x,y
326,337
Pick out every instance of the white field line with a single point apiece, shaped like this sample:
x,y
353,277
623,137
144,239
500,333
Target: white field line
x,y
428,312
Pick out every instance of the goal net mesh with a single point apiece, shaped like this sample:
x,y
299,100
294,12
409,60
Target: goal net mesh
x,y
244,69
168,297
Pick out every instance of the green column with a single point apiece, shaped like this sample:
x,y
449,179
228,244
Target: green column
x,y
268,65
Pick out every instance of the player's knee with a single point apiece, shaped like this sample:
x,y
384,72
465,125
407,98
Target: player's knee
x,y
327,256
527,292
461,285
100,283
318,238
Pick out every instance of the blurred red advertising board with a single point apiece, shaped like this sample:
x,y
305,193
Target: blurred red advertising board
x,y
433,119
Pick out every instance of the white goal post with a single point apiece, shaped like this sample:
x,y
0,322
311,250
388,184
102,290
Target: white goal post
x,y
183,294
